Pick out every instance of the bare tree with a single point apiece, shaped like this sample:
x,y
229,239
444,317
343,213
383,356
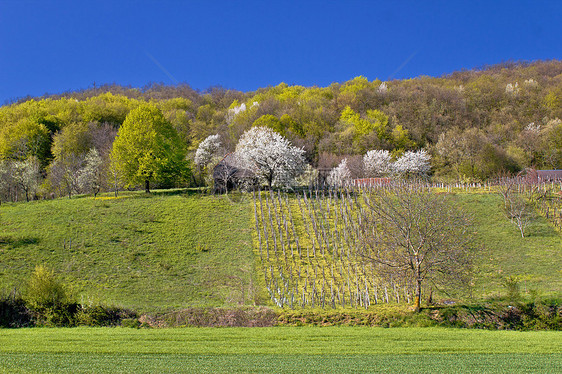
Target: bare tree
x,y
515,205
418,236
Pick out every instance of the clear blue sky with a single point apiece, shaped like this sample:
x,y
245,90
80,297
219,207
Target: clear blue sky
x,y
53,46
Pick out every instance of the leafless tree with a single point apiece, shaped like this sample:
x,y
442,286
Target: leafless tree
x,y
517,204
519,211
413,234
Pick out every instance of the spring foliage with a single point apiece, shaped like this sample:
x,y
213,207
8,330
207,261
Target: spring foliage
x,y
148,149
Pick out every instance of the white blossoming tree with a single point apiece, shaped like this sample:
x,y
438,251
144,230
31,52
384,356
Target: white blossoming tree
x,y
208,154
208,150
90,176
413,163
377,163
270,156
25,174
340,176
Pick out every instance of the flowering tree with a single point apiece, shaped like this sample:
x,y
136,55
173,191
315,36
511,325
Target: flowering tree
x,y
207,151
271,157
413,163
340,175
377,163
90,176
25,174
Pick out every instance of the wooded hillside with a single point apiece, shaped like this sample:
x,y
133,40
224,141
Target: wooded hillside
x,y
474,123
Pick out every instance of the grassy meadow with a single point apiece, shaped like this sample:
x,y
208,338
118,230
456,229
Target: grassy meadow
x,y
147,252
536,260
172,249
279,349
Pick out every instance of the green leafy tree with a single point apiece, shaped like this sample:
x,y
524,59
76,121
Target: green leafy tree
x,y
148,149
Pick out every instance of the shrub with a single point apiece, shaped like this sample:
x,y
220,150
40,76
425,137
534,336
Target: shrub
x,y
48,299
13,312
98,315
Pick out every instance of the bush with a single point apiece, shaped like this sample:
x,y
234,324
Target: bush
x,y
13,312
49,300
99,315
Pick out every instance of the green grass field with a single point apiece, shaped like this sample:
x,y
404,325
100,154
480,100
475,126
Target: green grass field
x,y
535,260
279,349
146,252
171,250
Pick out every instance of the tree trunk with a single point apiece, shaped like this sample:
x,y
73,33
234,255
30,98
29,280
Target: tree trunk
x,y
147,186
418,295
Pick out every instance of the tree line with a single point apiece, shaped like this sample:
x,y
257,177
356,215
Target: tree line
x,y
473,124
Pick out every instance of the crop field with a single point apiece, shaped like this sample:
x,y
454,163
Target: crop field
x,y
308,244
278,349
147,252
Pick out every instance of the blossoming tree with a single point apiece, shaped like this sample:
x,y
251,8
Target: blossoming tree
x,y
270,156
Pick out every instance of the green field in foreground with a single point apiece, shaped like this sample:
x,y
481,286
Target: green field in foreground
x,y
280,349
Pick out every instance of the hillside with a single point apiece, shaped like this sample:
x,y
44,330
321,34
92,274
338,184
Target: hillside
x,y
170,250
473,123
156,252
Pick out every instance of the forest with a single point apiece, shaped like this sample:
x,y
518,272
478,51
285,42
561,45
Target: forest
x,y
474,124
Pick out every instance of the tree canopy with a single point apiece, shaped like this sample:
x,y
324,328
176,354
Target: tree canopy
x,y
148,149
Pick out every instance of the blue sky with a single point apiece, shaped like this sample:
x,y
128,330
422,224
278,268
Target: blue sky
x,y
54,46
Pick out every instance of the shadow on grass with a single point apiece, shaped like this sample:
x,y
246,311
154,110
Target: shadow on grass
x,y
17,242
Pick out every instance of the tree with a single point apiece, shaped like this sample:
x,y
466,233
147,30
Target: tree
x,y
148,149
411,233
340,175
90,176
413,163
208,150
63,173
272,158
377,163
208,154
26,175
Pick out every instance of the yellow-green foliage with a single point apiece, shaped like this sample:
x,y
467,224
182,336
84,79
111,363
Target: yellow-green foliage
x,y
43,290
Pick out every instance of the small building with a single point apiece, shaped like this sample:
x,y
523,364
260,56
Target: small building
x,y
541,176
229,174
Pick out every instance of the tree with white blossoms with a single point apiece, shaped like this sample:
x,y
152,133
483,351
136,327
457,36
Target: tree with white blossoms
x,y
413,163
270,156
377,163
90,176
208,154
207,151
25,175
340,175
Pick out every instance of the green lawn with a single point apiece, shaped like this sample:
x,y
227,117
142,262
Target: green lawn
x,y
280,349
149,253
535,260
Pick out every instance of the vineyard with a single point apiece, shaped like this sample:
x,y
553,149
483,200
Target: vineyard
x,y
309,248
550,204
312,245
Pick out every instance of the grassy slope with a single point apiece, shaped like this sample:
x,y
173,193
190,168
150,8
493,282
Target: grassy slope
x,y
144,252
336,349
162,252
535,260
